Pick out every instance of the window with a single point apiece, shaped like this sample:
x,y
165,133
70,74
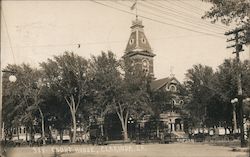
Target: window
x,y
181,102
173,102
146,71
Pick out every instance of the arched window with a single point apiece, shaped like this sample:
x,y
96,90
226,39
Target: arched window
x,y
181,102
173,102
172,88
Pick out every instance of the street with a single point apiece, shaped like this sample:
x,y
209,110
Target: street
x,y
128,150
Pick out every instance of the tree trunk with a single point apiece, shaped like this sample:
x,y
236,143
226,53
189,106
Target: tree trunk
x,y
102,122
157,130
74,127
102,132
125,135
73,108
30,136
125,131
61,136
18,133
43,129
124,123
26,133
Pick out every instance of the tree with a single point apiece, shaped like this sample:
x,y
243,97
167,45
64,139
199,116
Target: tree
x,y
228,11
130,97
56,117
67,75
26,92
105,74
199,86
211,93
231,11
226,80
160,103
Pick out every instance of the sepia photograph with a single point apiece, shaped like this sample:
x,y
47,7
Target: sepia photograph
x,y
125,78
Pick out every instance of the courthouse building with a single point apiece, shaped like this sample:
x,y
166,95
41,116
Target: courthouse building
x,y
140,52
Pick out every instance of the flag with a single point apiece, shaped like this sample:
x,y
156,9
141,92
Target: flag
x,y
133,6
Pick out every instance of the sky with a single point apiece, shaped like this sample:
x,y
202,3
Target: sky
x,y
33,31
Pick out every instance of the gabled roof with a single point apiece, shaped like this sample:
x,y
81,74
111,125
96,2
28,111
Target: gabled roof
x,y
157,84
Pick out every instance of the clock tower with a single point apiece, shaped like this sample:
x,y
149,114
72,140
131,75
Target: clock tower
x,y
138,48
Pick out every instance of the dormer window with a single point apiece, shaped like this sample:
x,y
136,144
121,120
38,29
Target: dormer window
x,y
143,40
131,41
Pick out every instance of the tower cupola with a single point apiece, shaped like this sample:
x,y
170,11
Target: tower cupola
x,y
137,40
138,48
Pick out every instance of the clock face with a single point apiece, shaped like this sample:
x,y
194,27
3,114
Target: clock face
x,y
145,66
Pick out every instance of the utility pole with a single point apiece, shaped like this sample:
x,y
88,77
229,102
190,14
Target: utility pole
x,y
238,48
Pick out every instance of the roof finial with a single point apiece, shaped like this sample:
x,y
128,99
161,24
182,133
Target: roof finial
x,y
171,71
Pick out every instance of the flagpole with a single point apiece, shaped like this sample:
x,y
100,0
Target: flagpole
x,y
134,6
136,9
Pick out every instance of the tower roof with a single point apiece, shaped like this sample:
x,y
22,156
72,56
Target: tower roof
x,y
138,42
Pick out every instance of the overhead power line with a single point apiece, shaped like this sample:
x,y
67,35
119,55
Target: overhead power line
x,y
192,6
80,44
8,34
186,5
192,24
182,19
185,12
178,13
159,21
180,6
